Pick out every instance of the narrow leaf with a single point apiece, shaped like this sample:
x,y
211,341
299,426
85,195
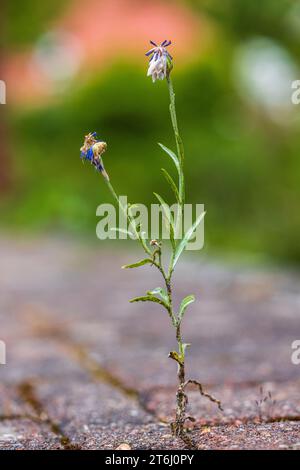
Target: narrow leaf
x,y
149,298
184,304
171,183
187,238
172,155
185,346
122,230
138,264
161,292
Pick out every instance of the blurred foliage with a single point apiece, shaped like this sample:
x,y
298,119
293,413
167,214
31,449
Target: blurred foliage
x,y
27,19
244,17
240,163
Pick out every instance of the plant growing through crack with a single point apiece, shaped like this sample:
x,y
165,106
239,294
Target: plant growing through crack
x,y
265,405
160,67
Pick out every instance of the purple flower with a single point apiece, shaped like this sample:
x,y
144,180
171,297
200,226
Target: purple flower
x,y
160,64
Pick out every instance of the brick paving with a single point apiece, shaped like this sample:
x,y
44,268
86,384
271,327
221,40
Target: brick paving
x,y
87,370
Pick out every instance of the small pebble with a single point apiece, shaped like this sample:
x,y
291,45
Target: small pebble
x,y
123,446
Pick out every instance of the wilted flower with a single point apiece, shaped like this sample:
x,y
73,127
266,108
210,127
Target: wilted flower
x,y
92,150
160,64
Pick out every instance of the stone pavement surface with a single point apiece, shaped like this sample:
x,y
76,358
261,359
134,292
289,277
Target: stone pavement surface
x,y
87,370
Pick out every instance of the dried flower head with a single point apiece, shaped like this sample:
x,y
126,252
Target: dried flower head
x,y
160,64
92,150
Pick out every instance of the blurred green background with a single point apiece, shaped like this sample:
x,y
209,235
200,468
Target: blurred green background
x,y
240,128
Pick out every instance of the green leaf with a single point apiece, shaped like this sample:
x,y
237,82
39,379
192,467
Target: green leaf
x,y
171,183
138,264
184,304
122,230
172,155
168,217
149,298
185,346
187,238
161,292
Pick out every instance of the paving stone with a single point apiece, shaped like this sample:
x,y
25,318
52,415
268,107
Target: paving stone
x,y
241,328
90,412
24,434
37,358
267,402
275,436
11,404
64,313
138,437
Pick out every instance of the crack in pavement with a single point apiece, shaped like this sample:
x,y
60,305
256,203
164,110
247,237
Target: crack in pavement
x,y
16,417
245,421
28,394
89,364
99,373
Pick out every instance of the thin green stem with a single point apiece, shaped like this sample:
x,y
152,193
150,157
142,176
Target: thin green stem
x,y
128,217
180,155
178,425
159,264
179,143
